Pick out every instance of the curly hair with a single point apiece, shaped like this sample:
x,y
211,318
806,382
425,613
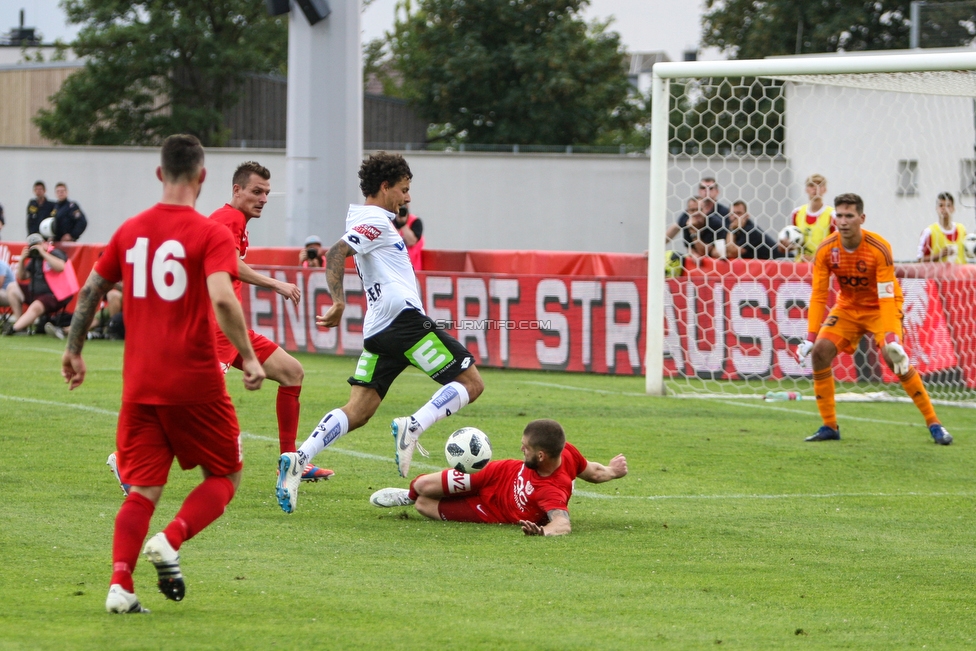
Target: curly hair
x,y
380,167
244,171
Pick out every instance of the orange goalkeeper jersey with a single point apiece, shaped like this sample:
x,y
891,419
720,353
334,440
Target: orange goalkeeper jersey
x,y
865,276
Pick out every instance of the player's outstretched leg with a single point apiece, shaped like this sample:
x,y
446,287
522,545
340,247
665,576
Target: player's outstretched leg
x,y
390,497
122,602
449,399
167,561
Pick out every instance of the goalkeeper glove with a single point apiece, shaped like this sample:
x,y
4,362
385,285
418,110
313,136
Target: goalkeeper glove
x,y
804,348
896,354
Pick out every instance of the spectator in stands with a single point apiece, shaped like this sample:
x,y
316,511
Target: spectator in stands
x,y
312,255
412,231
699,230
708,189
39,208
815,219
10,294
746,240
942,241
69,221
48,288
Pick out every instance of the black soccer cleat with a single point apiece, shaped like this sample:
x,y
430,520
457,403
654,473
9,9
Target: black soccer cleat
x,y
825,434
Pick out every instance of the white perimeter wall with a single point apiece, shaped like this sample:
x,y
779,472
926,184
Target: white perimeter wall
x,y
467,201
856,137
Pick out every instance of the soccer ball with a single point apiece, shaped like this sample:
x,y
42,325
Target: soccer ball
x,y
793,237
468,450
969,246
46,228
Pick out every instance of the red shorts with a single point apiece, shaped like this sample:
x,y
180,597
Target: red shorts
x,y
204,434
228,356
461,502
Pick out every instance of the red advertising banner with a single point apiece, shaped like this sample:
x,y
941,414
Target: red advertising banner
x,y
722,321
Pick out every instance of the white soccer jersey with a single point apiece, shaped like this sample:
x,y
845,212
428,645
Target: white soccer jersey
x,y
383,265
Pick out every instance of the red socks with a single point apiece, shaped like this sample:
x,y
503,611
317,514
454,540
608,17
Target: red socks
x,y
288,408
131,527
202,506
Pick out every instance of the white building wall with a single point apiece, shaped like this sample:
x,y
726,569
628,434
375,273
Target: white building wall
x,y
856,138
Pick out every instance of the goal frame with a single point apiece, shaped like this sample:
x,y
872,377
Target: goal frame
x,y
661,76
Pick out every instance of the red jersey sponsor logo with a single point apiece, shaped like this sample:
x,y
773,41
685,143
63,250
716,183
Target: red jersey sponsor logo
x,y
367,231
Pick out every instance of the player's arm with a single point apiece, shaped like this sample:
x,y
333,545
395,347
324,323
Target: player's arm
x,y
673,229
72,365
335,271
251,277
597,473
817,308
230,318
558,525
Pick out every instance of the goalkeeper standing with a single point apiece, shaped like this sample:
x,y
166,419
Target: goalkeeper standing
x,y
869,301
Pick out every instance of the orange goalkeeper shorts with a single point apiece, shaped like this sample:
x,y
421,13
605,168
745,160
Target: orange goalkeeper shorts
x,y
845,327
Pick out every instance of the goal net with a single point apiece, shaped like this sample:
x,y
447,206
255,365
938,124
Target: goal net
x,y
898,130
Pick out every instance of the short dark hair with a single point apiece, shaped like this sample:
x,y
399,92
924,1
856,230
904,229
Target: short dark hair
x,y
39,183
850,199
946,196
181,157
244,171
60,184
379,168
546,435
708,179
740,202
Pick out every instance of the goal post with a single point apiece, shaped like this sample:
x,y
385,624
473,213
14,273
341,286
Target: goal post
x,y
897,129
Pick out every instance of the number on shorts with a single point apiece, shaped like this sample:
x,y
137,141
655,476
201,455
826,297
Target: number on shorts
x,y
830,322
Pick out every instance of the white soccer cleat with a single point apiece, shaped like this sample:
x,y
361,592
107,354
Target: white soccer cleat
x,y
122,601
389,497
167,561
406,443
289,477
113,465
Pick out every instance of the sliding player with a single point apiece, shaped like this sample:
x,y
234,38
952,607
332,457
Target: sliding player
x,y
532,492
869,301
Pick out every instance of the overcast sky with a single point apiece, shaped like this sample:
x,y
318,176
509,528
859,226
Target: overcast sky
x,y
644,25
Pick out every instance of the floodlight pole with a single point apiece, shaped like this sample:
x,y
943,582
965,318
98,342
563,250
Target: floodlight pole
x,y
325,123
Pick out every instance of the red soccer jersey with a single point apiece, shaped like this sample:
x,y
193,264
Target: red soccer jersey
x,y
515,492
235,220
163,257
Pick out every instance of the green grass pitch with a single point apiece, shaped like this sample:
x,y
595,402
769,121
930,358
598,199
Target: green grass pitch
x,y
729,531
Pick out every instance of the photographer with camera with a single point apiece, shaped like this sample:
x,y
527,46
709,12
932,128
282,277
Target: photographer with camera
x,y
48,282
411,229
312,255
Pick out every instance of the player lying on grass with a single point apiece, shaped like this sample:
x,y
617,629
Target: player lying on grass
x,y
869,301
533,492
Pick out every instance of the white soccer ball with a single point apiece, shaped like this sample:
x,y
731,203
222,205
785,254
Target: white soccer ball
x,y
46,228
793,237
468,450
969,246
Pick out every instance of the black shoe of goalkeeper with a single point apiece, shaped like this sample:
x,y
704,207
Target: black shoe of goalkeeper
x,y
825,434
940,434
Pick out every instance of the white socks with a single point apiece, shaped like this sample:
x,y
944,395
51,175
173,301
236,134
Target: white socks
x,y
448,400
334,425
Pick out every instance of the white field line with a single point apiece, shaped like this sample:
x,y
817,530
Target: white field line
x,y
735,403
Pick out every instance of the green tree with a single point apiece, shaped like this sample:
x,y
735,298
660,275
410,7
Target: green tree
x,y
157,67
753,29
512,71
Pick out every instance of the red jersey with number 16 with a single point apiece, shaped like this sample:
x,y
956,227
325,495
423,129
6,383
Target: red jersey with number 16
x,y
163,257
